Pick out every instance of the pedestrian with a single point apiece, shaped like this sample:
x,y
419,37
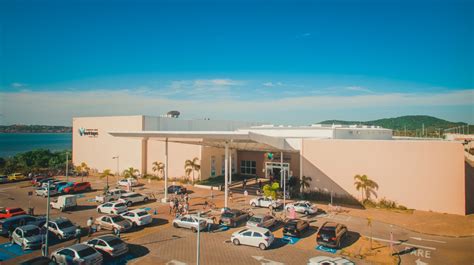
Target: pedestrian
x,y
117,232
89,226
256,178
186,208
260,184
171,206
78,234
186,198
231,198
205,205
244,183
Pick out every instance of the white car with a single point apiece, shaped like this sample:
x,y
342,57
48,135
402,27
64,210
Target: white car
x,y
138,217
62,228
132,198
28,237
77,254
109,244
256,236
265,202
128,182
112,208
43,191
303,207
111,195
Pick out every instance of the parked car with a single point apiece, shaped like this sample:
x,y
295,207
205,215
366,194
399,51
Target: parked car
x,y
77,254
62,228
109,244
331,234
110,195
64,202
295,227
138,217
233,217
41,260
43,191
28,237
112,208
189,222
265,202
40,182
78,187
10,212
52,182
60,186
256,236
3,179
37,178
260,220
7,226
113,222
128,182
177,189
303,207
132,198
16,177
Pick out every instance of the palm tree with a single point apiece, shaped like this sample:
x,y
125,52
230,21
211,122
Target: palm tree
x,y
83,169
130,172
271,190
365,185
105,174
305,183
191,166
158,167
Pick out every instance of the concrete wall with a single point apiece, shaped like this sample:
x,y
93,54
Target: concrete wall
x,y
217,153
97,152
424,175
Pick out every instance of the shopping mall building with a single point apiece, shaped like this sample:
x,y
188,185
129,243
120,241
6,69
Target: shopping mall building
x,y
421,174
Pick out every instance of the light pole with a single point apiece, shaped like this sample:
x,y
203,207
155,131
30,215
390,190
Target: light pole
x,y
47,223
118,173
67,166
198,238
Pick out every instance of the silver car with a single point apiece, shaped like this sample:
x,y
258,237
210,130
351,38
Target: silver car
x,y
109,244
62,228
28,237
189,222
260,220
43,191
77,254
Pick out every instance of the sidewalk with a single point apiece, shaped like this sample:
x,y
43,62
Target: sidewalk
x,y
430,223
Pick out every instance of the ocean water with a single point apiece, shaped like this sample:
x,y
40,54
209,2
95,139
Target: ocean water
x,y
13,143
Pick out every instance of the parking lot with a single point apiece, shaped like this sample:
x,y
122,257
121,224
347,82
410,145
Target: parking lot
x,y
161,243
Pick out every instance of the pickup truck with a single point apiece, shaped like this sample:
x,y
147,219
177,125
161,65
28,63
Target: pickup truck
x,y
111,195
10,212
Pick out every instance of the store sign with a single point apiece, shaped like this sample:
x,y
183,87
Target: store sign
x,y
88,132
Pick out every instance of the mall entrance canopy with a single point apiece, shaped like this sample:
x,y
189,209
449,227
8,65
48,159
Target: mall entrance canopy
x,y
238,140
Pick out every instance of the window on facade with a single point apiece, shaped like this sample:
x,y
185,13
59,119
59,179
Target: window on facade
x,y
248,167
213,166
223,165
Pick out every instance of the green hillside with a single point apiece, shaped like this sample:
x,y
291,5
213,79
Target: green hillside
x,y
412,122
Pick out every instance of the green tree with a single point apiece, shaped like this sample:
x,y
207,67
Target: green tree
x,y
130,172
191,166
159,167
106,174
271,190
305,183
366,186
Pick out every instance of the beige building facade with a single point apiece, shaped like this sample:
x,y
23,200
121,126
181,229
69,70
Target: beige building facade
x,y
428,175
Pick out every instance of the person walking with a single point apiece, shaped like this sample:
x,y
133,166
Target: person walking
x,y
244,184
171,206
231,197
89,226
78,234
259,184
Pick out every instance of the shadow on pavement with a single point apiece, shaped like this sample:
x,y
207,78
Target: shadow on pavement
x,y
350,239
278,243
135,251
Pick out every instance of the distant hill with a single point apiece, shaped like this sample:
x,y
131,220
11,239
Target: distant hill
x,y
18,128
412,122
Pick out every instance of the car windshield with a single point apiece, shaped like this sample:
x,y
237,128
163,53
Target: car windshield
x,y
255,219
228,215
32,232
120,205
86,252
114,242
142,213
117,218
64,224
328,231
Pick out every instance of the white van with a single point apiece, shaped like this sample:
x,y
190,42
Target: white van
x,y
64,202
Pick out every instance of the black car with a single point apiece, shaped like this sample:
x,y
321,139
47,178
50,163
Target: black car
x,y
176,189
331,234
295,227
41,260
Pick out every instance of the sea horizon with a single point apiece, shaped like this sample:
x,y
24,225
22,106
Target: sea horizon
x,y
14,143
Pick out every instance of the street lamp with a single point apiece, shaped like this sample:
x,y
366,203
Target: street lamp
x,y
45,250
118,158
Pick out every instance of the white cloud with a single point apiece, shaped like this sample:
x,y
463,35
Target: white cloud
x,y
271,84
60,107
201,87
18,85
358,89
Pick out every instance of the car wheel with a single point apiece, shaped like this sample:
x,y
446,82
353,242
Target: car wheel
x,y
175,225
129,204
236,242
193,229
262,246
54,260
306,212
99,210
23,247
61,209
60,237
145,200
114,230
253,204
134,224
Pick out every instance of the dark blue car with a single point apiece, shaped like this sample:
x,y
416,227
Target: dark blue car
x,y
8,225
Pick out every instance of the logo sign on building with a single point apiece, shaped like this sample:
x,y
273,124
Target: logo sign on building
x,y
88,132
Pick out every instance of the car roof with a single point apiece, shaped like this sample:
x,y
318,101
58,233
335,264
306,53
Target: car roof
x,y
106,237
130,193
330,224
115,190
78,247
28,227
258,229
138,210
293,221
259,215
60,220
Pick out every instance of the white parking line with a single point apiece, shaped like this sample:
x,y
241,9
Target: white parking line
x,y
401,243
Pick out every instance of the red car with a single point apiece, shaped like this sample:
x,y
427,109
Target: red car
x,y
78,187
10,212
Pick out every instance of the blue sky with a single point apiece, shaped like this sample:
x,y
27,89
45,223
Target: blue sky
x,y
293,62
